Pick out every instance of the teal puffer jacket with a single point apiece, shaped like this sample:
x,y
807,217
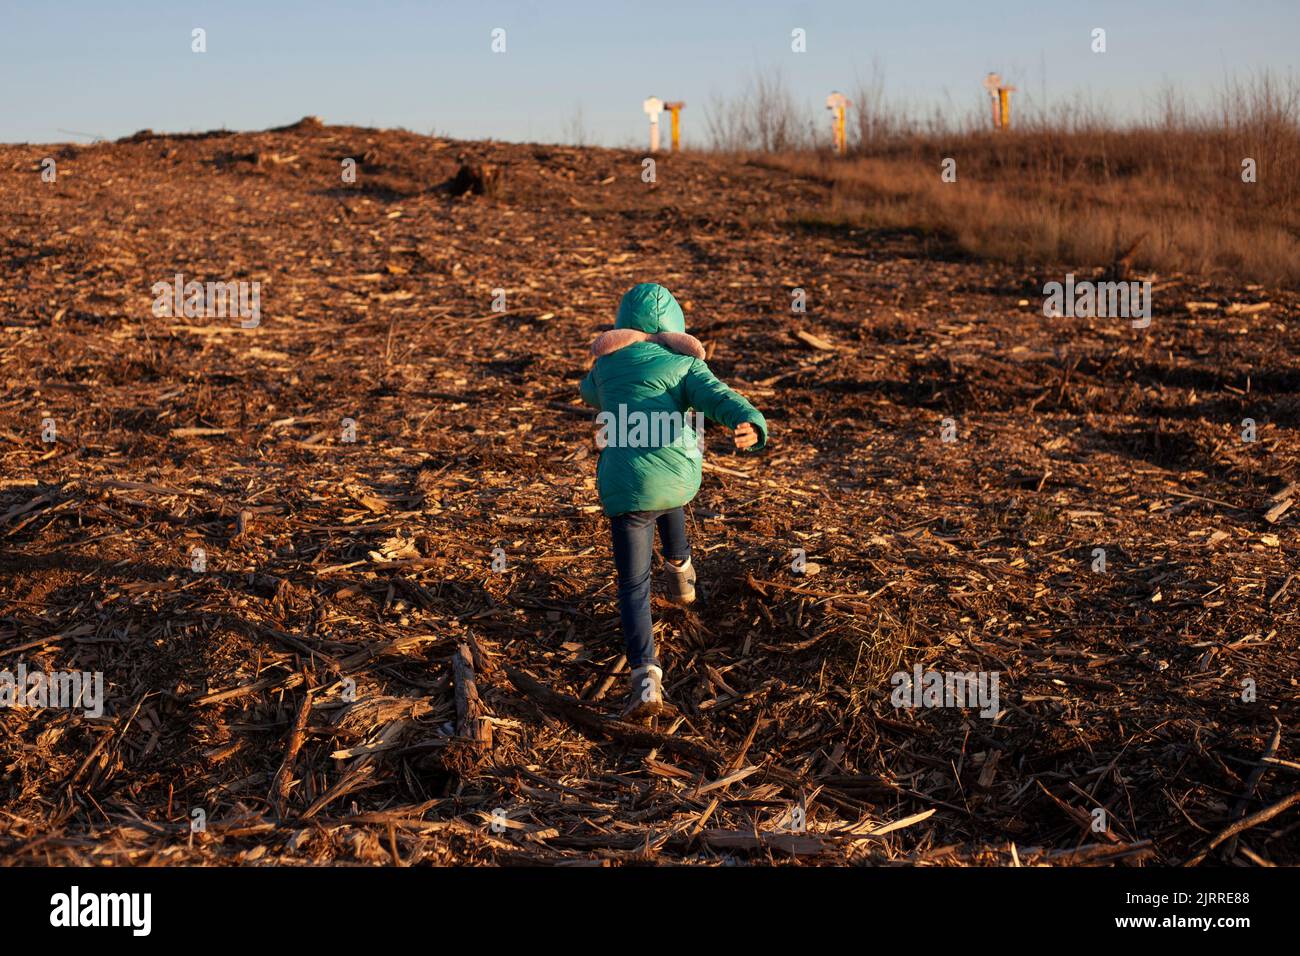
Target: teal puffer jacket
x,y
647,378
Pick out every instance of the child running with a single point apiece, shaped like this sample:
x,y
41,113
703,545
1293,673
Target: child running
x,y
648,375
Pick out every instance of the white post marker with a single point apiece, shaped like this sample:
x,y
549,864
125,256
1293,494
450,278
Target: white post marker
x,y
1000,93
991,83
653,107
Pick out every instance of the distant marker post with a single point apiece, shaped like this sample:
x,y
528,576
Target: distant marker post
x,y
653,107
1000,95
675,111
838,104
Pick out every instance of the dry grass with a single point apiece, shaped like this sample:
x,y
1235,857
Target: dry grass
x,y
1077,193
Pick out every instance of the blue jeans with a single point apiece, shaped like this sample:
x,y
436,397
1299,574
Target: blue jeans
x,y
634,538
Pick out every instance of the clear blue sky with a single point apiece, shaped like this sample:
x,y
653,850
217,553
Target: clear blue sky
x,y
110,68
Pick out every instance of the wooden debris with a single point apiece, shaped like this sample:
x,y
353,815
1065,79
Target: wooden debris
x,y
1281,503
814,341
297,736
480,179
1244,308
349,583
799,844
471,722
1255,819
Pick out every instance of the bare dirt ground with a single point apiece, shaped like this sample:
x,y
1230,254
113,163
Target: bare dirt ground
x,y
301,690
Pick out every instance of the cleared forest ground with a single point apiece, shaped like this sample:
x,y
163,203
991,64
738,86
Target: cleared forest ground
x,y
299,690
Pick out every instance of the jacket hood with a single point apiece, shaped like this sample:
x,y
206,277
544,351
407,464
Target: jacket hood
x,y
650,308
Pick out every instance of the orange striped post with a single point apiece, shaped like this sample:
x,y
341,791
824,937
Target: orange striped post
x,y
674,110
838,103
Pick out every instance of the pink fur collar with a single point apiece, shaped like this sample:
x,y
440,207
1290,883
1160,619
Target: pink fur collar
x,y
615,339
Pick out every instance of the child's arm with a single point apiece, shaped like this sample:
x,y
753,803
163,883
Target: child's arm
x,y
591,397
708,395
588,389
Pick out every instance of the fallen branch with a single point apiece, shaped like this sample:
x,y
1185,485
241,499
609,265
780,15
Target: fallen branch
x,y
284,776
1263,816
471,722
586,718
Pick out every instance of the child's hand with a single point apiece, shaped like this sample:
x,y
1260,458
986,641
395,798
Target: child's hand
x,y
745,436
596,434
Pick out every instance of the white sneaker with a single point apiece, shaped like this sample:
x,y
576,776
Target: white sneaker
x,y
646,692
681,582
